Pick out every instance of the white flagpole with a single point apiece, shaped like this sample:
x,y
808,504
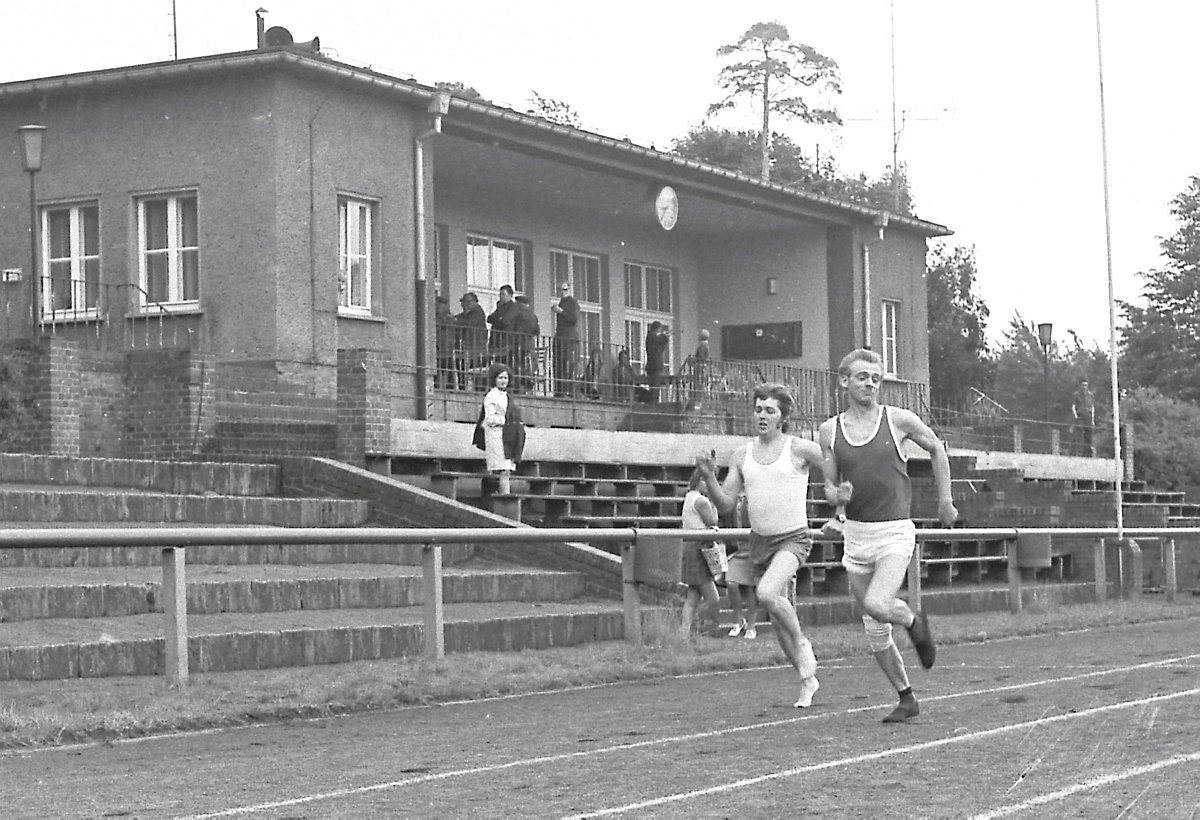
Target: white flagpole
x,y
1112,304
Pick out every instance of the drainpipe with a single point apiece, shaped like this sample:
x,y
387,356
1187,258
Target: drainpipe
x,y
880,222
439,105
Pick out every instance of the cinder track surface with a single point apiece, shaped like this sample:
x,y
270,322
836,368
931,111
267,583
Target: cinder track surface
x,y
1102,723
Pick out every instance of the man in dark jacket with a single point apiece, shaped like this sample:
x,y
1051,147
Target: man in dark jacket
x,y
566,341
526,330
472,337
502,320
657,340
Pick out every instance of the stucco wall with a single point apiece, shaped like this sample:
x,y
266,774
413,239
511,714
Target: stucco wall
x,y
733,274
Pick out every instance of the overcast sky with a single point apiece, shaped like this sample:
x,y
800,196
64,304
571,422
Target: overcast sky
x,y
1001,129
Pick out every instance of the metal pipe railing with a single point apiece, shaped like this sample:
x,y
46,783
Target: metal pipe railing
x,y
174,541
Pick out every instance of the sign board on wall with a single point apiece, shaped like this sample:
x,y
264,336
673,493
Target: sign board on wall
x,y
781,340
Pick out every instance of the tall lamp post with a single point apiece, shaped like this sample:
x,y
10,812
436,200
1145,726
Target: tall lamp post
x,y
1045,336
31,142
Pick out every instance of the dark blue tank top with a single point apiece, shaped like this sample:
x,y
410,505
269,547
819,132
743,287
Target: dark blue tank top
x,y
879,473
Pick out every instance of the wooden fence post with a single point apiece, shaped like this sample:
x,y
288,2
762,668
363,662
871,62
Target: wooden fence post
x,y
435,614
1100,570
174,595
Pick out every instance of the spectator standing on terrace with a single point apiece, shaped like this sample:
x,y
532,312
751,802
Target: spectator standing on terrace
x,y
700,363
566,340
503,322
772,469
526,330
444,336
866,474
702,603
472,335
657,340
1083,409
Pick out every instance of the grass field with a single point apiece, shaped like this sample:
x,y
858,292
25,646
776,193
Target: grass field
x,y
56,712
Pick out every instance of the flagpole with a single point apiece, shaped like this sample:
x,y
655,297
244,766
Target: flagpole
x,y
1112,304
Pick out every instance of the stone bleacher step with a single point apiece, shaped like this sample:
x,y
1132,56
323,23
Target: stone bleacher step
x,y
185,477
133,645
230,554
107,504
37,593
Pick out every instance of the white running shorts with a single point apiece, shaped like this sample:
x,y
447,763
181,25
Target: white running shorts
x,y
869,541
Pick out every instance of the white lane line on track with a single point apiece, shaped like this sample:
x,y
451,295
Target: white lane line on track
x,y
902,750
624,747
833,663
1088,785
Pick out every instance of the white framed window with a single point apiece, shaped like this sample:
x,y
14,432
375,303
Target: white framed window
x,y
582,270
649,297
70,275
890,337
356,254
169,248
492,263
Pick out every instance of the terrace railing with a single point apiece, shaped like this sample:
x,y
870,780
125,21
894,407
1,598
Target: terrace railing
x,y
107,316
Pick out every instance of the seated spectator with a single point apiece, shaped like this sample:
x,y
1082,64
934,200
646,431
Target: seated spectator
x,y
624,377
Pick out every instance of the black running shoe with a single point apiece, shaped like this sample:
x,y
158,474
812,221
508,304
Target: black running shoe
x,y
922,639
904,710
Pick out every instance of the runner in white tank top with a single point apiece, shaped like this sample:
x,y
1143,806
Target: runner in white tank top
x,y
772,470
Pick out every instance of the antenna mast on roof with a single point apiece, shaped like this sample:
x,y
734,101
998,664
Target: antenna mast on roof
x,y
174,30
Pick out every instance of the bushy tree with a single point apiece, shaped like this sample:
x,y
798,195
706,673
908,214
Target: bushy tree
x,y
553,110
772,70
738,151
1166,449
1019,376
959,358
1161,340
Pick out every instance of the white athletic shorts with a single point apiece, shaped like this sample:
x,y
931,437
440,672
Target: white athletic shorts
x,y
869,541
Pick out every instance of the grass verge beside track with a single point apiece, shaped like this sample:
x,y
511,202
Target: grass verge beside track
x,y
56,712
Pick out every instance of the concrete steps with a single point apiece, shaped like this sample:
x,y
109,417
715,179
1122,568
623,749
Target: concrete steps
x,y
134,645
80,611
36,593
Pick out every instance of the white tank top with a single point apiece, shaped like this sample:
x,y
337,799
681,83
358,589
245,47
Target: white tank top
x,y
776,493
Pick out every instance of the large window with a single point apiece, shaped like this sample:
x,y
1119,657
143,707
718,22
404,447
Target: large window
x,y
356,254
890,337
583,272
649,297
169,239
492,263
70,282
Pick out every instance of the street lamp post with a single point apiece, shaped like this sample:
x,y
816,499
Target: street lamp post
x,y
31,142
1045,335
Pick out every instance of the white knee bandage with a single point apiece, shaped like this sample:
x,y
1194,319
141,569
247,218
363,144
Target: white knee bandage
x,y
879,635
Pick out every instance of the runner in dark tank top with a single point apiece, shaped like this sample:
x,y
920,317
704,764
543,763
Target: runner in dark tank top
x,y
866,475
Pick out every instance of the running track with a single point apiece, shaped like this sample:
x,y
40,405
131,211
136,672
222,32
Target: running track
x,y
1101,723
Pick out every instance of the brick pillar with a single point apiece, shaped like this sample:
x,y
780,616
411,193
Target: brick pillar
x,y
364,405
171,403
47,385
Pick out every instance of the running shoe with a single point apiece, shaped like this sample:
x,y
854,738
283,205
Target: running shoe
x,y
751,633
738,630
922,639
808,688
905,709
